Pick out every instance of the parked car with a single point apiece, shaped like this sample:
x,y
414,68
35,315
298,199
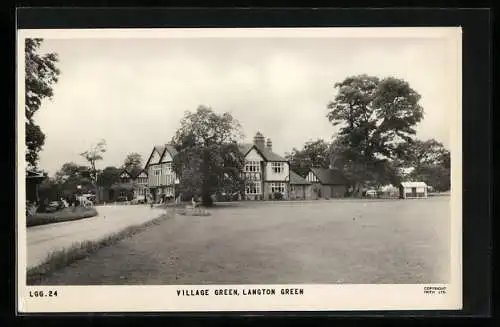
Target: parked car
x,y
141,199
371,193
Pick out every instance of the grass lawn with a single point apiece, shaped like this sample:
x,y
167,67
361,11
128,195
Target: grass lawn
x,y
337,241
66,214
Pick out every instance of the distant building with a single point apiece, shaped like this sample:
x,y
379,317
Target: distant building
x,y
327,183
33,180
126,186
412,190
161,180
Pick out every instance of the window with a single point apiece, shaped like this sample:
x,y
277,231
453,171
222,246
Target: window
x,y
278,188
252,166
156,170
167,168
252,188
277,167
123,194
252,176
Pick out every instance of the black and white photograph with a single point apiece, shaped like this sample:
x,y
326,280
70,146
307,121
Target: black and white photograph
x,y
233,169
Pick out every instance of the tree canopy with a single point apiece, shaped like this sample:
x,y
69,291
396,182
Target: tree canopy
x,y
376,118
430,161
108,176
314,154
41,74
133,163
208,156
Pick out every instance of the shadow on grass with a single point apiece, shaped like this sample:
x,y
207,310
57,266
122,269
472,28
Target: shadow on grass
x,y
59,259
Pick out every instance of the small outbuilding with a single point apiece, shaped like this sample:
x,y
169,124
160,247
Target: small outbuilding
x,y
412,190
300,189
327,183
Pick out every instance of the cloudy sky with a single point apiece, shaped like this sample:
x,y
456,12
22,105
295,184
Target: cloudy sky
x,y
133,92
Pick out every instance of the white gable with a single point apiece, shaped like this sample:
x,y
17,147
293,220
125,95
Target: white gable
x,y
253,155
155,158
166,157
311,177
143,174
124,175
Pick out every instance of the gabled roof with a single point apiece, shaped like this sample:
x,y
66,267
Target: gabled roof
x,y
137,174
126,172
265,153
413,184
328,176
297,179
162,149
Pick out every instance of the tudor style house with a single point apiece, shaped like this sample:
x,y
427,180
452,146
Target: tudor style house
x,y
140,182
327,183
161,177
266,173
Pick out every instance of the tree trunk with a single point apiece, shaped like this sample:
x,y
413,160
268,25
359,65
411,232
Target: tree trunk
x,y
97,198
206,199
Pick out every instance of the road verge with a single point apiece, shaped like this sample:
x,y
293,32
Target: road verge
x,y
61,258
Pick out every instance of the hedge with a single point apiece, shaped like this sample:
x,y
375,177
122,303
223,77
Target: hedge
x,y
66,214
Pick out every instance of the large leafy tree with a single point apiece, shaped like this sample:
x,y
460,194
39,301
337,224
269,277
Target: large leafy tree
x,y
376,119
314,154
431,163
133,163
208,156
41,74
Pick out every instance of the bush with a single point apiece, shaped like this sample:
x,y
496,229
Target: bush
x,y
67,214
278,196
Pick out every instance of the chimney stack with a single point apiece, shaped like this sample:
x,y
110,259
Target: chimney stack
x,y
259,140
269,144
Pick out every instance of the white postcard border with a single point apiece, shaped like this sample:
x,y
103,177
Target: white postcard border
x,y
314,297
